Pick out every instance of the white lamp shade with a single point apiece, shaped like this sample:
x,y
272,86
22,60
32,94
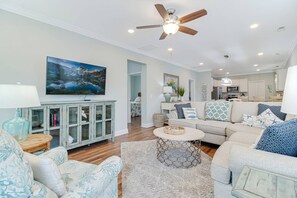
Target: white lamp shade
x,y
18,96
167,89
289,104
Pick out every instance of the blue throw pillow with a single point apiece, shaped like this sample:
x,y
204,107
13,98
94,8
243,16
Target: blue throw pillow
x,y
276,110
280,138
179,109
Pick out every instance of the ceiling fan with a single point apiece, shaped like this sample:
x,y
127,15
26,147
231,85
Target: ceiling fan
x,y
172,23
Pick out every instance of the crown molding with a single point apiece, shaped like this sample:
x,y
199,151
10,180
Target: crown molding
x,y
245,74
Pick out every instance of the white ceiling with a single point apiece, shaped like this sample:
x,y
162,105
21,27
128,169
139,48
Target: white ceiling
x,y
225,30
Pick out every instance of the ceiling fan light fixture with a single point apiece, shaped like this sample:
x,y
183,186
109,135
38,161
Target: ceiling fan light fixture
x,y
170,27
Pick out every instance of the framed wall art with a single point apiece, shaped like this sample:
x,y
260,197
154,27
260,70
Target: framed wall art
x,y
173,81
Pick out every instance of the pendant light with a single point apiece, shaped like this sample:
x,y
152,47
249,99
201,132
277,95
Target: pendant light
x,y
226,81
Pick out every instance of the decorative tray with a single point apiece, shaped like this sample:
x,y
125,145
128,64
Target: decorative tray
x,y
174,130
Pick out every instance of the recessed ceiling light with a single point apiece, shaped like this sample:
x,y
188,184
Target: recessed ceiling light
x,y
258,70
201,64
131,31
227,73
260,54
253,26
255,65
170,49
221,69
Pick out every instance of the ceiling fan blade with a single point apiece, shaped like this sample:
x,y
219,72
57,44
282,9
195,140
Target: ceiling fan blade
x,y
163,36
193,16
148,26
162,11
187,30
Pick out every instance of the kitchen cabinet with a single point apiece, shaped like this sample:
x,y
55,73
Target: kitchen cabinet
x,y
243,85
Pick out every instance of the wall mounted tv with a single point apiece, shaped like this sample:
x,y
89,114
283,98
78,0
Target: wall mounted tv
x,y
74,78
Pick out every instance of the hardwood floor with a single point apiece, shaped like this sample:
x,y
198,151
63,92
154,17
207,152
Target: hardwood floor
x,y
98,152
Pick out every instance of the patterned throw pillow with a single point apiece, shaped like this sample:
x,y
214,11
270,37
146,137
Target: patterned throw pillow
x,y
179,110
275,109
268,118
252,121
280,138
218,110
190,113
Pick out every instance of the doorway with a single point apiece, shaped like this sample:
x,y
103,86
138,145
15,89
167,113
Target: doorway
x,y
192,90
136,94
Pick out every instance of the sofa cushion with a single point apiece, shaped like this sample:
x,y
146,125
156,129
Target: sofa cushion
x,y
276,110
16,173
240,108
183,122
218,110
200,109
220,164
245,138
212,126
280,138
238,127
190,113
46,172
179,109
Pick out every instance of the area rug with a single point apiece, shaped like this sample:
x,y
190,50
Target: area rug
x,y
144,176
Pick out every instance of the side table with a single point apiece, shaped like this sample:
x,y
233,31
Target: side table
x,y
256,183
36,142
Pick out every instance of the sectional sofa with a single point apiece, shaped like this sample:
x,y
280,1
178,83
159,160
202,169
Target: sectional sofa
x,y
237,147
217,132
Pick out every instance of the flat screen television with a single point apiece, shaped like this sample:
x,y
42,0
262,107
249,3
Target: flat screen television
x,y
74,78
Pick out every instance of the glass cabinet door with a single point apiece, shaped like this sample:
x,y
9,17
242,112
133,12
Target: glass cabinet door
x,y
37,120
98,123
73,127
108,117
54,129
85,123
108,111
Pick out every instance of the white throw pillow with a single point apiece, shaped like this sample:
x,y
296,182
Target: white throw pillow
x,y
269,118
46,172
252,121
190,113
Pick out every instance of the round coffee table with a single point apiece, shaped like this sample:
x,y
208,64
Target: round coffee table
x,y
179,151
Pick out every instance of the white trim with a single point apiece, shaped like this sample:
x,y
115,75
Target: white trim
x,y
121,132
147,125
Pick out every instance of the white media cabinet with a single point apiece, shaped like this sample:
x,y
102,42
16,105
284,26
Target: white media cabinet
x,y
73,123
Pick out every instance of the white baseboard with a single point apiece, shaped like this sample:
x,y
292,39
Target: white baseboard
x,y
147,125
121,132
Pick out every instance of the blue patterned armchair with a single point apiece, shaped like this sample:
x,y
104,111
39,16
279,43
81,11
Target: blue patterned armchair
x,y
52,175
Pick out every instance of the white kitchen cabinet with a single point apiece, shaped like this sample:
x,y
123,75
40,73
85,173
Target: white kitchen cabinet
x,y
224,89
235,82
243,85
280,79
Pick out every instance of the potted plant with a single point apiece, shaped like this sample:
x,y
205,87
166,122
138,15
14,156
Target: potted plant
x,y
181,92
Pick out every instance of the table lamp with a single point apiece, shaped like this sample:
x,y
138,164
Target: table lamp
x,y
289,104
167,90
18,96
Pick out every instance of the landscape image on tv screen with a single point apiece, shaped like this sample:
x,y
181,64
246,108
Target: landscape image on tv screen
x,y
70,77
